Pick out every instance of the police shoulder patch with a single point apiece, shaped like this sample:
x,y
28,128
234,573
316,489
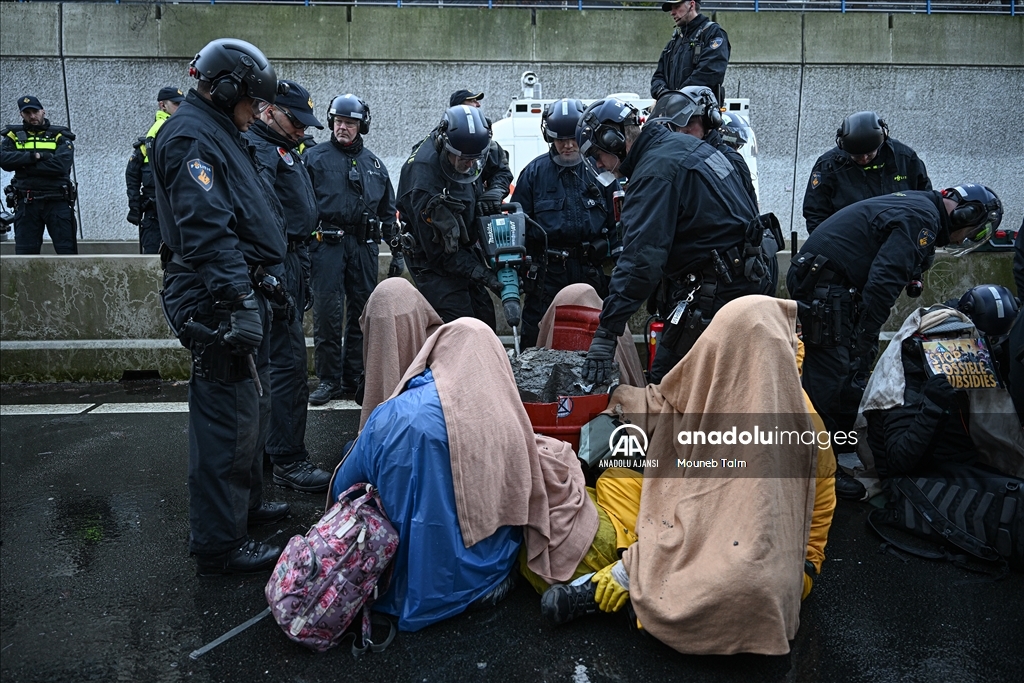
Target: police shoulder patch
x,y
815,180
715,44
285,155
202,173
925,238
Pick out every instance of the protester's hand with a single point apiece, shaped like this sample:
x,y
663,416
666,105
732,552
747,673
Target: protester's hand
x,y
609,594
134,215
597,369
939,391
246,326
397,266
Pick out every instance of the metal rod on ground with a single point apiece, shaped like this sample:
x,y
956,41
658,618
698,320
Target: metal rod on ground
x,y
196,654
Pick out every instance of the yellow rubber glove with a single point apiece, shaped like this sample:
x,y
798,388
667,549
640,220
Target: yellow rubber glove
x,y
808,585
609,594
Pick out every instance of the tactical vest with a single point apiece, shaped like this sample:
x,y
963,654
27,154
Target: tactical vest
x,y
161,119
44,140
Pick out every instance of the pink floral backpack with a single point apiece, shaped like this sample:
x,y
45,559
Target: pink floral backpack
x,y
324,579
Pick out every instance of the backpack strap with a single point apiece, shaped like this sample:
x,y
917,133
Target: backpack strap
x,y
367,643
949,531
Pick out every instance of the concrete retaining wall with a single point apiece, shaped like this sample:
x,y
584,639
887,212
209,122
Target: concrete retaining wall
x,y
949,85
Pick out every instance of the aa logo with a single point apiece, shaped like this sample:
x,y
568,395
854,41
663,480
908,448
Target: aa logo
x,y
628,441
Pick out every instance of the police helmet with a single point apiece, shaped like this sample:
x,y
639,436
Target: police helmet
x,y
674,107
234,69
350,107
603,127
861,133
978,208
736,131
992,308
465,133
558,122
710,112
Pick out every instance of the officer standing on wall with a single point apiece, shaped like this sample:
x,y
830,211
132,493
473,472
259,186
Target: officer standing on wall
x,y
438,195
851,270
558,192
275,136
41,195
496,176
687,223
697,54
356,205
139,178
221,229
865,162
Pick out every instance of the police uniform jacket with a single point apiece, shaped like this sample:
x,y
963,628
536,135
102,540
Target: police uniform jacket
x,y
496,173
879,244
714,138
566,202
676,68
216,212
351,185
422,180
836,181
51,172
138,175
293,190
680,181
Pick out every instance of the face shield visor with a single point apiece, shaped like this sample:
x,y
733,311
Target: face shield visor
x,y
975,238
570,158
460,168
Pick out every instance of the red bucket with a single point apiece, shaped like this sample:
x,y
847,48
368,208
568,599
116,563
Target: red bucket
x,y
574,330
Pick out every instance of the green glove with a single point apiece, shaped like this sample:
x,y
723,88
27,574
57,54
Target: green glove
x,y
609,595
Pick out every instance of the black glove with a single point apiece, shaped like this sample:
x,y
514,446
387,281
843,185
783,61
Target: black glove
x,y
307,296
135,214
489,203
442,213
865,346
939,391
597,369
246,332
397,266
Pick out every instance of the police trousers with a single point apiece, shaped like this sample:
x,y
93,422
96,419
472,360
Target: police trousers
x,y
454,297
54,215
343,275
149,231
558,274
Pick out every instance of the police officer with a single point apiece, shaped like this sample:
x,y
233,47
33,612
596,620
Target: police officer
x,y
849,273
438,196
42,195
575,212
139,178
686,222
356,205
221,229
276,135
496,176
697,54
865,162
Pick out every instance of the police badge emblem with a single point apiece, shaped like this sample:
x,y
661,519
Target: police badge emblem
x,y
202,173
815,180
715,44
285,155
925,237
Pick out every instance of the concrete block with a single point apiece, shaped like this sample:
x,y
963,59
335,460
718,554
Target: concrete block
x,y
415,33
759,38
958,40
619,37
96,362
852,38
30,29
109,30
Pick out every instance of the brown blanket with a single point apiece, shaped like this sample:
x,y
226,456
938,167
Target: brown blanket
x,y
630,369
396,321
718,567
503,474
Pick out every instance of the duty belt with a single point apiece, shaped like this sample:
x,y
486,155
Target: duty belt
x,y
578,253
294,243
333,234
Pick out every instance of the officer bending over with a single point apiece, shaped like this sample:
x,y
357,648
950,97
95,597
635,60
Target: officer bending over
x,y
496,176
865,162
356,204
849,273
139,178
558,192
275,136
697,54
438,197
687,224
221,229
41,195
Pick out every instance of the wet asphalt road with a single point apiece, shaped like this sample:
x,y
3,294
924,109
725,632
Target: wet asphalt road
x,y
97,584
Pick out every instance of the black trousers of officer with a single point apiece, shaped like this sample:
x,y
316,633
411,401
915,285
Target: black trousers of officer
x,y
342,277
454,297
149,231
558,274
55,215
225,463
288,372
665,358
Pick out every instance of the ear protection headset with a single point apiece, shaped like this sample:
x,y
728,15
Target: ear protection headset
x,y
972,211
711,115
364,123
611,137
227,90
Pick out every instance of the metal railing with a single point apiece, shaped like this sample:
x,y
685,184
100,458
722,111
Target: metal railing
x,y
1011,7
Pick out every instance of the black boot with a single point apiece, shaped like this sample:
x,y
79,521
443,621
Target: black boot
x,y
302,476
252,557
268,513
562,602
847,487
496,594
328,390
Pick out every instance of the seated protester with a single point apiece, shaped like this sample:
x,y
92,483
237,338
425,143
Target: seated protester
x,y
631,371
916,419
723,556
395,322
459,468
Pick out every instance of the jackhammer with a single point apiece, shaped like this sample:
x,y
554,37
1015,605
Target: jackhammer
x,y
503,237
